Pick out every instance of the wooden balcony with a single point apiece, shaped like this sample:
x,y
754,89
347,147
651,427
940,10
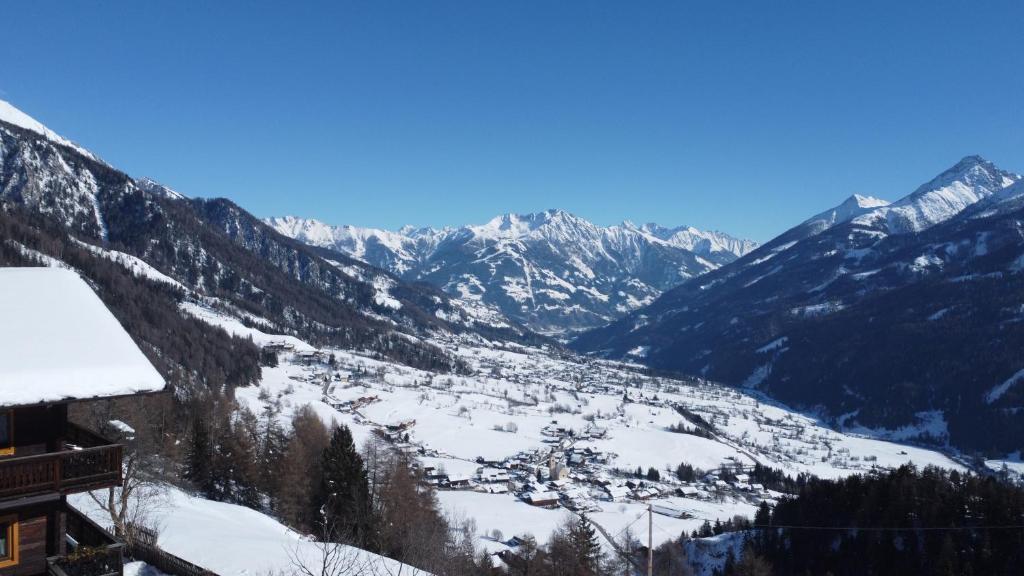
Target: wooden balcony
x,y
92,551
87,462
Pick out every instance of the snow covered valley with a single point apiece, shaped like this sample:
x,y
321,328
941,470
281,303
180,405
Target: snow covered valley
x,y
569,434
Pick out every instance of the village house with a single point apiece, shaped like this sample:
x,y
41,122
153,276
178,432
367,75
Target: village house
x,y
58,345
616,493
542,499
308,357
492,475
645,492
688,491
279,346
458,482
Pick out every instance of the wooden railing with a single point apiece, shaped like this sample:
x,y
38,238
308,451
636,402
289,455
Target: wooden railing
x,y
92,550
102,561
145,548
66,471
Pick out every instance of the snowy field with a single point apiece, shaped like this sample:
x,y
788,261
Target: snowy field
x,y
516,397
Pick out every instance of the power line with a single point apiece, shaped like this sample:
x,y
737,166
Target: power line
x,y
666,532
635,520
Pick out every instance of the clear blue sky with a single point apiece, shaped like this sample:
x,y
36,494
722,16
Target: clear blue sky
x,y
741,116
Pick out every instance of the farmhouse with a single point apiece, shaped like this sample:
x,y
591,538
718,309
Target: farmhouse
x,y
543,499
616,493
59,345
688,491
458,482
308,357
493,475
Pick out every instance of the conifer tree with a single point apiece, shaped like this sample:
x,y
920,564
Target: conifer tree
x,y
199,457
574,549
243,440
587,549
273,444
345,507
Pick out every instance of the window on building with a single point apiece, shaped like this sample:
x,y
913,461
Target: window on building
x,y
6,432
8,541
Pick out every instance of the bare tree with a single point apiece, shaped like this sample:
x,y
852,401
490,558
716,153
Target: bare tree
x,y
330,557
131,505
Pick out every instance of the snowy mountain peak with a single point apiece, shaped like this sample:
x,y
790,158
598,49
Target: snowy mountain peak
x,y
973,171
552,270
965,183
12,115
851,208
704,242
158,189
856,200
514,226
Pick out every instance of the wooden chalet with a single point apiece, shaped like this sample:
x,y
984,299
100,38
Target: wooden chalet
x,y
58,344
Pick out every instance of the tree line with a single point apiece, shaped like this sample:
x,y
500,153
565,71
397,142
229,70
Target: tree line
x,y
907,521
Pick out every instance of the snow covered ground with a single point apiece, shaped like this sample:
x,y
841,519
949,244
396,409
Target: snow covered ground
x,y
232,540
1012,465
510,408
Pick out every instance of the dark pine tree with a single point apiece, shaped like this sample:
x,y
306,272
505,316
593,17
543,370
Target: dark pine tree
x,y
346,510
199,458
586,547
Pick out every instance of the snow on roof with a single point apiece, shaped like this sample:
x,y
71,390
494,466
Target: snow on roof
x,y
59,342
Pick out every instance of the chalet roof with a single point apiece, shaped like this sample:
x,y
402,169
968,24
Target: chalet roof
x,y
59,342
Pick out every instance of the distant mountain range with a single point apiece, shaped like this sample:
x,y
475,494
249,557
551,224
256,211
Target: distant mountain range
x,y
904,318
907,315
217,254
551,271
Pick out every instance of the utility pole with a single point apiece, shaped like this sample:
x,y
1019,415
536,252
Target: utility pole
x,y
650,541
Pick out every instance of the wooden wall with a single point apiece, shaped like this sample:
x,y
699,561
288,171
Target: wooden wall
x,y
39,429
34,532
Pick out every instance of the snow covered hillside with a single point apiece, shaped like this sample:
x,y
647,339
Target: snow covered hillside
x,y
232,540
212,249
552,271
11,115
532,424
882,315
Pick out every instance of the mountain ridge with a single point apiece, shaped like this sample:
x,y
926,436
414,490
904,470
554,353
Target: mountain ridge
x,y
219,254
875,322
553,271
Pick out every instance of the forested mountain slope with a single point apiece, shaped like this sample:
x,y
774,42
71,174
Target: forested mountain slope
x,y
224,257
879,315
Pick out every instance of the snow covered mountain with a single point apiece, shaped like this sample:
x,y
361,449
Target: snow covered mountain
x,y
885,315
948,194
215,252
15,117
552,271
